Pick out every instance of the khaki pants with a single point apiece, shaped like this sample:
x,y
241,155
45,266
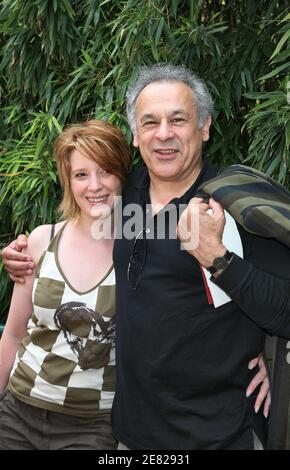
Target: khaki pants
x,y
26,427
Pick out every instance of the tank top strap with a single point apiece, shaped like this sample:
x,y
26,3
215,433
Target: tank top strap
x,y
51,247
54,237
52,232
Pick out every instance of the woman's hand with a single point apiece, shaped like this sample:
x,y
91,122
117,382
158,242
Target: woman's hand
x,y
261,378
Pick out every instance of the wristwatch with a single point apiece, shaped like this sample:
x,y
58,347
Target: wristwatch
x,y
220,263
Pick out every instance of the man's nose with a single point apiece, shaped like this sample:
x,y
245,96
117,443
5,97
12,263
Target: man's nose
x,y
164,131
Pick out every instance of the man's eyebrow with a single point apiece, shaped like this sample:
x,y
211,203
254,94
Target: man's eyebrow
x,y
180,112
147,116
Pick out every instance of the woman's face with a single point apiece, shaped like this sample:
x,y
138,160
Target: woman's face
x,y
94,189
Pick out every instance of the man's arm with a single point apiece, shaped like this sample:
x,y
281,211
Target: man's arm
x,y
206,245
263,297
17,263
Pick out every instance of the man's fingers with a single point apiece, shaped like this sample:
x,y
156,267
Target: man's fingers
x,y
11,255
20,273
215,206
20,280
196,200
201,208
21,241
19,257
19,266
188,227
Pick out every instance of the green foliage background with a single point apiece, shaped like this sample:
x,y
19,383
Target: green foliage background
x,y
62,61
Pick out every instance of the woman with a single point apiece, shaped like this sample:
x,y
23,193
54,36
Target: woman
x,y
61,322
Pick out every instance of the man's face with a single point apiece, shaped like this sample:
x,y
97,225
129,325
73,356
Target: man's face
x,y
167,132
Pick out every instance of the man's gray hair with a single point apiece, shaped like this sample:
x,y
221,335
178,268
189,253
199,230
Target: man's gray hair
x,y
169,73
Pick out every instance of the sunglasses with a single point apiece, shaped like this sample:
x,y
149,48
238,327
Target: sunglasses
x,y
137,259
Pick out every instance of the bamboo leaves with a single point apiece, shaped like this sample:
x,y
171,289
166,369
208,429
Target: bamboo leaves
x,y
64,61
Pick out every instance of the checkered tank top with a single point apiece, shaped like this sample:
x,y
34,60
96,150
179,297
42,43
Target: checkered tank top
x,y
66,362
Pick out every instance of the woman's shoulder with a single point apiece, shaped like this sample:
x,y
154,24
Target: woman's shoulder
x,y
45,230
39,238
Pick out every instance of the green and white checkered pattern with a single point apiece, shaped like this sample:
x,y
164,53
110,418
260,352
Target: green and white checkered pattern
x,y
47,371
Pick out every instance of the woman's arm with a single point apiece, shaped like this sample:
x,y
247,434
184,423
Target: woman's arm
x,y
15,328
21,307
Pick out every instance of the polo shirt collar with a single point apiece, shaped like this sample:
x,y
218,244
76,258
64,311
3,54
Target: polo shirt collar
x,y
142,181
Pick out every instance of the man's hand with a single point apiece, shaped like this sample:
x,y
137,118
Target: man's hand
x,y
261,377
200,230
16,263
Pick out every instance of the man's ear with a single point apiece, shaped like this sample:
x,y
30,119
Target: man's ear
x,y
205,129
135,139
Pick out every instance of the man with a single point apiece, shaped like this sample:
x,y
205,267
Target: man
x,y
183,374
182,371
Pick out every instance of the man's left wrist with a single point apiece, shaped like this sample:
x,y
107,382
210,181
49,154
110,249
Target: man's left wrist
x,y
220,263
218,252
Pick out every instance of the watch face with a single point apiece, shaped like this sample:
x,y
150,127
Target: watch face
x,y
220,263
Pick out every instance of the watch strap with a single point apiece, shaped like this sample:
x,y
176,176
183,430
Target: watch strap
x,y
225,259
